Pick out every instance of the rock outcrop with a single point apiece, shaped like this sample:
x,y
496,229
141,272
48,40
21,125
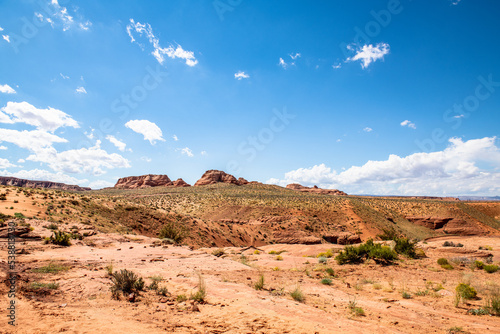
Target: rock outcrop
x,y
448,225
343,238
295,237
315,189
143,181
14,181
180,183
216,176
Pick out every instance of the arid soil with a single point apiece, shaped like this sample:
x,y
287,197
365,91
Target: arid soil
x,y
83,303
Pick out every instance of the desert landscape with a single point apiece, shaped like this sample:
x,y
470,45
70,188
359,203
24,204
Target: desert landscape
x,y
232,256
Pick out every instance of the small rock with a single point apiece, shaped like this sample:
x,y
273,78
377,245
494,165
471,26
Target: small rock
x,y
131,297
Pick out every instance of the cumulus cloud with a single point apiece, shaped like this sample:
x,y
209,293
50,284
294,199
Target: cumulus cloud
x,y
6,89
81,90
409,124
367,129
44,119
6,38
31,140
84,160
4,163
119,144
3,147
369,53
148,129
463,168
241,75
144,29
43,175
175,138
187,151
337,66
99,184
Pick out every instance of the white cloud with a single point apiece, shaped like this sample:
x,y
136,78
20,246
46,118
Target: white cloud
x,y
187,151
295,56
21,161
31,140
283,64
1,29
4,163
204,153
159,52
148,129
459,116
451,172
43,175
119,144
60,17
146,159
44,119
6,89
99,184
81,90
175,138
83,160
409,124
7,38
337,66
455,2
241,75
369,53
3,147
367,129
64,76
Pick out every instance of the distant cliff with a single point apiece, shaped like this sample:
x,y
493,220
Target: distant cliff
x,y
315,189
148,181
14,181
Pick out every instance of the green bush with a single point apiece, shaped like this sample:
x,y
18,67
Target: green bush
x,y
464,291
326,281
490,268
259,285
125,281
442,261
59,238
479,264
200,295
173,231
369,250
406,247
297,294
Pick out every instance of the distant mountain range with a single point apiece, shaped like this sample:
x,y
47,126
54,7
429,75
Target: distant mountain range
x,y
479,198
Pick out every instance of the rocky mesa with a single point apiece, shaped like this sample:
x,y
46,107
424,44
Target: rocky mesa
x,y
216,176
14,181
315,189
148,181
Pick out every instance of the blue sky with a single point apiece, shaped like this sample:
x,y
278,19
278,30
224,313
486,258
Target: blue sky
x,y
379,97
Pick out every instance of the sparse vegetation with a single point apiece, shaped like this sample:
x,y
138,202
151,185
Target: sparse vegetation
x,y
51,268
355,309
490,268
59,238
174,231
259,285
464,291
297,294
369,250
125,281
38,285
200,295
326,281
218,252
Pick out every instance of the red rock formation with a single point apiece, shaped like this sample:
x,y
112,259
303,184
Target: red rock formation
x,y
295,237
343,238
315,189
180,183
143,181
448,225
217,176
14,181
242,181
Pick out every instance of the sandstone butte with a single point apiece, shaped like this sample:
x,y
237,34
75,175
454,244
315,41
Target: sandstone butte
x,y
14,181
147,181
315,189
216,176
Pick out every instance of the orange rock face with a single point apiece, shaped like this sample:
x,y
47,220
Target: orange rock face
x,y
217,176
14,181
143,181
315,189
180,183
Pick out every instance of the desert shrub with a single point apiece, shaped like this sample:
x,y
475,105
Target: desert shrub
x,y
279,258
388,234
493,303
479,264
163,291
406,247
329,253
442,261
256,252
173,231
356,310
200,295
51,268
322,259
478,311
326,281
181,298
38,285
368,250
218,252
297,294
59,238
259,285
406,295
330,271
490,268
447,266
52,226
19,215
109,269
463,292
125,281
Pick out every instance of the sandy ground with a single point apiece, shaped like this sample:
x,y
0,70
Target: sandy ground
x,y
83,302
